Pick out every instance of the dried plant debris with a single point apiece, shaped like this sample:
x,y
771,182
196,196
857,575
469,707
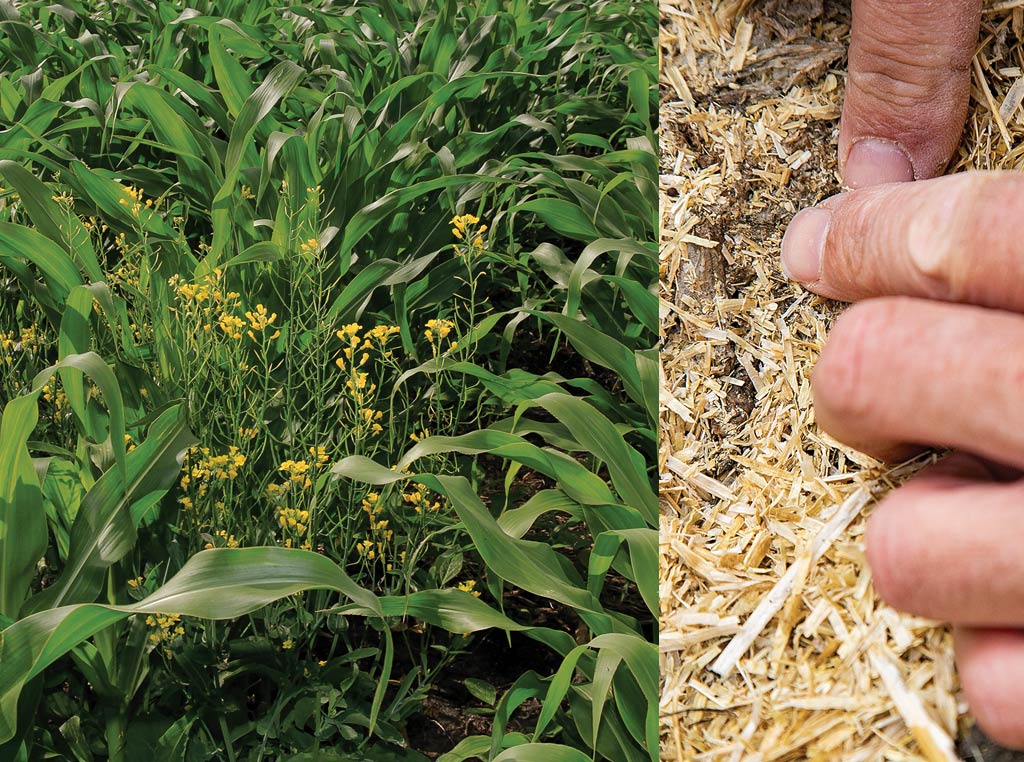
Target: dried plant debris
x,y
774,645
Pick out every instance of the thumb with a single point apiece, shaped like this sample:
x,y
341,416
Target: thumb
x,y
907,89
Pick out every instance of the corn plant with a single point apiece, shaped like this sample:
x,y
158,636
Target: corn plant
x,y
326,340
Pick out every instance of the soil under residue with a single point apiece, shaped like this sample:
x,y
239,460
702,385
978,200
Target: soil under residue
x,y
451,713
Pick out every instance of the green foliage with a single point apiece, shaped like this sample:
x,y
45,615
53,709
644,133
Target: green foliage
x,y
304,302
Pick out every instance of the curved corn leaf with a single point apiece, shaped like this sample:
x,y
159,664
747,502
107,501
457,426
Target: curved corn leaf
x,y
628,468
542,752
22,520
579,483
93,366
643,561
104,529
19,243
602,349
458,611
214,584
61,227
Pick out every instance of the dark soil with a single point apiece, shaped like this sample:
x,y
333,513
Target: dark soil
x,y
975,747
451,713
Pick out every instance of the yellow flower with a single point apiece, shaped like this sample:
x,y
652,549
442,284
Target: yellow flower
x,y
231,325
370,504
296,470
439,328
419,499
469,587
229,539
383,332
29,338
348,331
360,381
293,518
167,628
288,645
366,549
259,319
461,222
248,433
467,228
370,416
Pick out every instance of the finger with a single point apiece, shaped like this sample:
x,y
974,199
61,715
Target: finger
x,y
953,238
940,547
902,371
991,667
908,88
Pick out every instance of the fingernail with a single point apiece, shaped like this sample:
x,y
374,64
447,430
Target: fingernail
x,y
874,161
803,244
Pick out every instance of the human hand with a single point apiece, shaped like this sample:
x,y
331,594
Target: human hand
x,y
933,354
907,89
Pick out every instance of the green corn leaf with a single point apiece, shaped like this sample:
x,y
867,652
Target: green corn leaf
x,y
103,377
280,82
458,611
19,243
518,521
642,303
473,747
214,584
579,483
112,199
642,545
49,218
104,529
563,217
601,349
628,467
542,752
371,215
22,520
74,338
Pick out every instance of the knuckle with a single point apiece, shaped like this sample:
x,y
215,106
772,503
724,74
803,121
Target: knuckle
x,y
896,57
939,265
980,232
953,241
841,381
891,89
